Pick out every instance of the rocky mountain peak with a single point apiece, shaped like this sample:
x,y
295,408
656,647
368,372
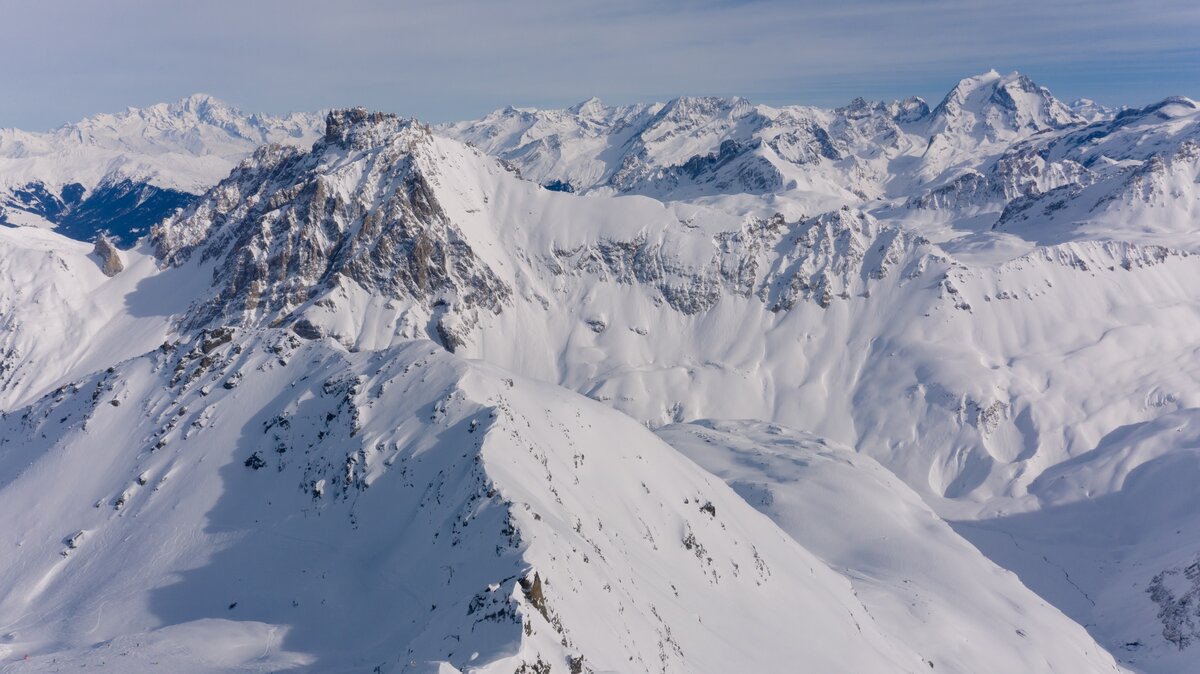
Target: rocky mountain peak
x,y
289,226
910,109
690,107
360,129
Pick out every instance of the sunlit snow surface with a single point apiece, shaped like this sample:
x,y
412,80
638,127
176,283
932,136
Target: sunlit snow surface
x,y
394,405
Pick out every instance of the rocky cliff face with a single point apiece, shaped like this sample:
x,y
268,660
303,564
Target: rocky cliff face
x,y
289,225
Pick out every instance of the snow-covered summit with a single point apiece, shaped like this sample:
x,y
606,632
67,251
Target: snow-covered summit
x,y
1091,111
121,173
994,107
186,145
699,148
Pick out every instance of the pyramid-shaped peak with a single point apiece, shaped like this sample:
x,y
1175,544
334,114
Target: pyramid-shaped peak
x,y
994,106
590,107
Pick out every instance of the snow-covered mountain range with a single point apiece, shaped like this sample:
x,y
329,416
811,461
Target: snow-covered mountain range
x,y
123,172
684,387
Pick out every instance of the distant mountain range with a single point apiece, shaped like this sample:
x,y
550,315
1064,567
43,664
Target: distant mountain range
x,y
121,173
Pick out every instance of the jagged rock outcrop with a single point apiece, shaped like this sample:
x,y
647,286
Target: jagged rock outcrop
x,y
834,256
109,256
289,225
831,256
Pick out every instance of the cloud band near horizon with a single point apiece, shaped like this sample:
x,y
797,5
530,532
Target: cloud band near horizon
x,y
65,59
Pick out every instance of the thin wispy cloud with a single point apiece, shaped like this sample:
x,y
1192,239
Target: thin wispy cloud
x,y
446,60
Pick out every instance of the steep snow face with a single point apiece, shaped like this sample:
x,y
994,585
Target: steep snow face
x,y
915,575
260,502
965,380
991,108
985,112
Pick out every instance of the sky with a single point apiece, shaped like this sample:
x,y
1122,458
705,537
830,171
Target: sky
x,y
442,60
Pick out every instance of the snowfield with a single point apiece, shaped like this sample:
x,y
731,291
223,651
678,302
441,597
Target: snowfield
x,y
699,386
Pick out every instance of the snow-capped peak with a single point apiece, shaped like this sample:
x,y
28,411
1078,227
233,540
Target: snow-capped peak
x,y
1171,107
686,108
187,145
994,107
592,107
204,107
1092,111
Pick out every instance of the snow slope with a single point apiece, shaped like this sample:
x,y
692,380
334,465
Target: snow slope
x,y
1112,541
912,572
630,301
402,510
62,318
991,301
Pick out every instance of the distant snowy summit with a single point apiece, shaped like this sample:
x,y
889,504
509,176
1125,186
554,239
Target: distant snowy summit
x,y
121,173
692,146
995,150
993,139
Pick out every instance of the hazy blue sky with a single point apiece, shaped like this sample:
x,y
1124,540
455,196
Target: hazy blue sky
x,y
440,60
